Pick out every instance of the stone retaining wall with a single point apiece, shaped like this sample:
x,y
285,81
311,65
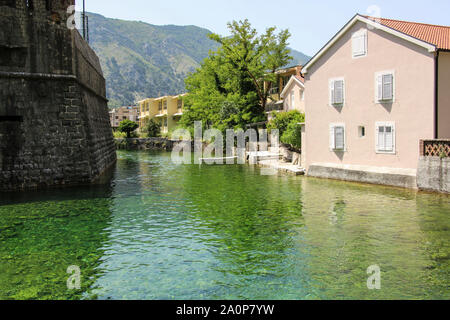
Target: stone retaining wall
x,y
433,174
148,144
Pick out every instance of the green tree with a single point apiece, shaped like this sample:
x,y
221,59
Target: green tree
x,y
282,120
128,126
228,90
152,128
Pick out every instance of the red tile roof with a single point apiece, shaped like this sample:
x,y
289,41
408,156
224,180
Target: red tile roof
x,y
301,79
433,34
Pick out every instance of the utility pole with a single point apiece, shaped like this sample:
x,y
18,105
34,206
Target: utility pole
x,y
87,29
84,20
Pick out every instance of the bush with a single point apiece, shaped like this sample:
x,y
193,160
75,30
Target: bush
x,y
293,135
282,120
288,125
119,135
128,127
152,128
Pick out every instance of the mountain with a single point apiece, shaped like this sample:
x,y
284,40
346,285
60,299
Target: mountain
x,y
299,57
141,60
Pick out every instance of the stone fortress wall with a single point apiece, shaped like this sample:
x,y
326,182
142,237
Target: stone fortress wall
x,y
54,121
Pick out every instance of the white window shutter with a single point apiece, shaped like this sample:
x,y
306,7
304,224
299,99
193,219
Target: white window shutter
x,y
389,139
387,87
355,44
379,87
359,44
339,138
332,92
364,43
381,138
377,134
332,139
393,138
338,92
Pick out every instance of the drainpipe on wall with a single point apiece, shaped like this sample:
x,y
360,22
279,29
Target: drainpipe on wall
x,y
436,96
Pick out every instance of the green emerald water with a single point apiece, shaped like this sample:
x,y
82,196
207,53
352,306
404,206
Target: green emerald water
x,y
163,231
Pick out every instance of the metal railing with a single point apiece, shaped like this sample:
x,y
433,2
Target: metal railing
x,y
274,107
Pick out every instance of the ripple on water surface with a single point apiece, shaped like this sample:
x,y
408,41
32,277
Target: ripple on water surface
x,y
162,231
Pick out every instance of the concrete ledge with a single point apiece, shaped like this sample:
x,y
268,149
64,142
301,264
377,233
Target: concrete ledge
x,y
433,174
405,178
283,167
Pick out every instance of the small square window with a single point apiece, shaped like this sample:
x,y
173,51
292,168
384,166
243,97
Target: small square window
x,y
362,131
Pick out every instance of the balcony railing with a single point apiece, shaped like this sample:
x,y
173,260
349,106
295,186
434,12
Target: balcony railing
x,y
435,148
274,107
274,91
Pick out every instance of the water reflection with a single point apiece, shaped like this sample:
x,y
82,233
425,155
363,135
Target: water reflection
x,y
43,233
165,231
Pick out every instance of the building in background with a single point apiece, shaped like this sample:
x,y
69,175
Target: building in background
x,y
276,100
293,94
166,111
117,115
373,92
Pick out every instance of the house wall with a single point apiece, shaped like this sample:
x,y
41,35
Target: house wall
x,y
412,110
444,96
299,103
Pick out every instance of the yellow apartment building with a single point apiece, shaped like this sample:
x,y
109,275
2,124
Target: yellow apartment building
x,y
166,111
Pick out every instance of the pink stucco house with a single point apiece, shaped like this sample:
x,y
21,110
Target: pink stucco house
x,y
372,92
293,94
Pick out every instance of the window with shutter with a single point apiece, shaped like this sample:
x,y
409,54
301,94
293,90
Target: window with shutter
x,y
337,92
385,137
359,44
337,137
385,87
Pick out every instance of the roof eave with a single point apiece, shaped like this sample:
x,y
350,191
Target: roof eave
x,y
289,84
348,25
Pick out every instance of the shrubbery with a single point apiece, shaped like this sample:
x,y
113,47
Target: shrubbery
x,y
152,128
288,125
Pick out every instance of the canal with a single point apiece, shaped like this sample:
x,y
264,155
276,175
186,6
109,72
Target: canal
x,y
158,230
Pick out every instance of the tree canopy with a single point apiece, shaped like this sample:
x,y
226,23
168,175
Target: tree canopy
x,y
128,126
228,90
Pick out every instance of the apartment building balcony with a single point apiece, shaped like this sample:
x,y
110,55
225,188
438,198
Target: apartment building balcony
x,y
275,106
274,94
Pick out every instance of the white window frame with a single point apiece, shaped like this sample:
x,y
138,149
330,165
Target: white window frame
x,y
379,99
331,88
394,133
356,35
332,134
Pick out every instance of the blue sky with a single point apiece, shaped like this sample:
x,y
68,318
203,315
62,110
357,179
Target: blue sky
x,y
311,22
